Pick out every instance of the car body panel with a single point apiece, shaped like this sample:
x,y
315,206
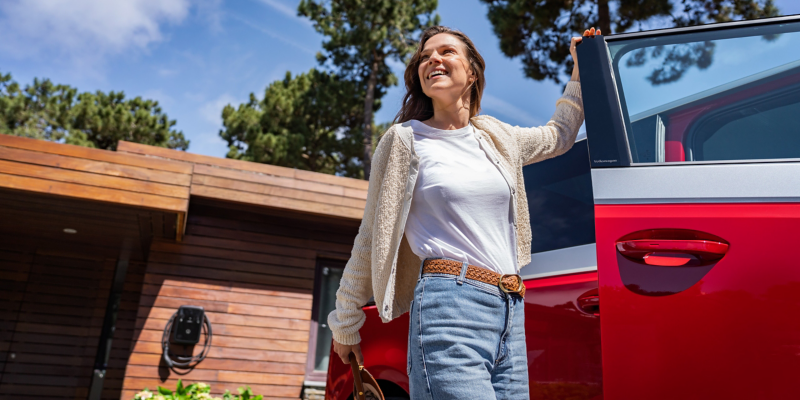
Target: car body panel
x,y
681,325
731,334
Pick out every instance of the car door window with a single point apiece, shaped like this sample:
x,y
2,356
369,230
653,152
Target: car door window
x,y
559,192
711,95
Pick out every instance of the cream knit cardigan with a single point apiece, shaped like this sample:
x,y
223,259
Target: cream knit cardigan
x,y
382,264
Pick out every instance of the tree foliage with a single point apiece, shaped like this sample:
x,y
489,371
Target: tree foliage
x,y
539,31
362,36
49,111
311,121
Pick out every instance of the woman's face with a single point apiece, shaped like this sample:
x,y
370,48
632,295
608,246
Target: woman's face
x,y
444,71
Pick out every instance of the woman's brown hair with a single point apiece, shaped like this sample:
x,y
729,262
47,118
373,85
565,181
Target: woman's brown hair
x,y
416,104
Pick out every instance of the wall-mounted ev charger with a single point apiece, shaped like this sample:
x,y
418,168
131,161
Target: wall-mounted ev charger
x,y
185,327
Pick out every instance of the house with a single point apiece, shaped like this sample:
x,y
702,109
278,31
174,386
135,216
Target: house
x,y
98,249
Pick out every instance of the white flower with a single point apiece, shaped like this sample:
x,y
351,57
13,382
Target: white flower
x,y
143,395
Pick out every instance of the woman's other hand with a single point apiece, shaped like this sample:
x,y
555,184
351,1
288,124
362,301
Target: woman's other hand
x,y
572,50
343,351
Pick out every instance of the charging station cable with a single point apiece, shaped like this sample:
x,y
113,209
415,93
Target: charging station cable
x,y
185,362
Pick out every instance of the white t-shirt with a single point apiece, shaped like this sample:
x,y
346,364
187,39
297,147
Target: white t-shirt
x,y
461,207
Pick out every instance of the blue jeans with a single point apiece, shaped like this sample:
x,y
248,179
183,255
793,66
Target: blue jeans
x,y
466,341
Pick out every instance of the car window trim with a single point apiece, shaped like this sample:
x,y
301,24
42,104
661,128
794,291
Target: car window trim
x,y
660,33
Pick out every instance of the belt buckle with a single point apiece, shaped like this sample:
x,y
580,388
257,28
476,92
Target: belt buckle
x,y
507,291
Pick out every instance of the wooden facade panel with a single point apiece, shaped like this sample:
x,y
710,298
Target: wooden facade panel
x,y
226,296
44,146
249,258
83,178
275,202
164,153
261,234
178,250
232,275
154,326
227,353
280,186
94,193
277,191
262,367
239,245
273,180
331,179
55,343
259,302
95,167
157,313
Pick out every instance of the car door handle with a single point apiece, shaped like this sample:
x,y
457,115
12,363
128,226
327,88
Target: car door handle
x,y
589,302
672,252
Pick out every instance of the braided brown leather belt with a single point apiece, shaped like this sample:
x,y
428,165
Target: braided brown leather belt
x,y
507,283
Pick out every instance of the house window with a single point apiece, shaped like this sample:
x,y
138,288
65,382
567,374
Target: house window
x,y
328,275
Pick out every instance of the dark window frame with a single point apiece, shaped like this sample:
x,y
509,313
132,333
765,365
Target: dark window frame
x,y
313,375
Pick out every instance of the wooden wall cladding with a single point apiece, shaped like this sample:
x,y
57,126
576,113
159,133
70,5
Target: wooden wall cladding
x,y
52,314
98,175
253,274
266,185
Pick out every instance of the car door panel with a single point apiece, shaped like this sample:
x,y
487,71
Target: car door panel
x,y
563,338
730,334
710,313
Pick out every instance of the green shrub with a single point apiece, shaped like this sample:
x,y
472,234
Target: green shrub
x,y
195,391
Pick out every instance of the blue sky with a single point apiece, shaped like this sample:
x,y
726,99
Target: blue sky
x,y
196,56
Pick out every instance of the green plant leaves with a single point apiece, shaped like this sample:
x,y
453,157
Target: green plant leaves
x,y
195,391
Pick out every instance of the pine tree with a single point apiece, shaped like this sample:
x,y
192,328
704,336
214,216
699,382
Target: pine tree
x,y
311,121
48,111
362,36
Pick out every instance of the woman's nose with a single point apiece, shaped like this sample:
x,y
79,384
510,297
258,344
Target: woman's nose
x,y
434,58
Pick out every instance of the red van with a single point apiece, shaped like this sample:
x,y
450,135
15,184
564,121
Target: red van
x,y
685,203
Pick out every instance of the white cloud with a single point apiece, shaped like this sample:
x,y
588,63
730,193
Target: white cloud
x,y
509,110
287,10
280,7
211,12
274,35
163,99
84,31
212,111
166,72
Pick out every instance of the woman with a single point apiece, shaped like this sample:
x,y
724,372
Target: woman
x,y
447,188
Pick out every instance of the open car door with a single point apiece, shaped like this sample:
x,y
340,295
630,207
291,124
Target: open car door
x,y
694,142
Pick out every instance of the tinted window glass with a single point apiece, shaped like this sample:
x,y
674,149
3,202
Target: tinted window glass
x,y
715,95
760,129
329,284
560,200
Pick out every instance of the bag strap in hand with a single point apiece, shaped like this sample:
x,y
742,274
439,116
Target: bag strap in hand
x,y
360,395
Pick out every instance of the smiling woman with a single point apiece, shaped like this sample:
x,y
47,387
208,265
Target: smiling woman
x,y
452,47
446,217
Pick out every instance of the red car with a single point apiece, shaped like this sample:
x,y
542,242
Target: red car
x,y
685,203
